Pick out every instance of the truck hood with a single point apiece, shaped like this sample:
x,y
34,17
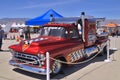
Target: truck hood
x,y
41,45
43,41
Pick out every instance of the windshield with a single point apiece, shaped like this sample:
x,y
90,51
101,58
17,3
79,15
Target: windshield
x,y
53,31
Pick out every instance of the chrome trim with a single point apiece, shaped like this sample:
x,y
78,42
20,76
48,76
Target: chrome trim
x,y
91,50
28,68
27,58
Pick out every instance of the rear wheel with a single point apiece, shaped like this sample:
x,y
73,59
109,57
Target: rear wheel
x,y
104,51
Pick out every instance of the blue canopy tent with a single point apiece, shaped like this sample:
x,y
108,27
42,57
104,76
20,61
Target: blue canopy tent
x,y
43,19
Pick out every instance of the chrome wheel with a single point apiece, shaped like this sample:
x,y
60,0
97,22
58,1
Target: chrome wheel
x,y
56,68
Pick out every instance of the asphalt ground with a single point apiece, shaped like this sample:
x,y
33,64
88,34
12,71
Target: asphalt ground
x,y
95,69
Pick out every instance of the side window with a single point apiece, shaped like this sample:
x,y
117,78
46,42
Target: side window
x,y
65,35
74,33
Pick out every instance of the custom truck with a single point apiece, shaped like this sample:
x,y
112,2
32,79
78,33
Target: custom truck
x,y
67,42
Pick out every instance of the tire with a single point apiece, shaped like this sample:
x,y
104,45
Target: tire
x,y
104,51
56,67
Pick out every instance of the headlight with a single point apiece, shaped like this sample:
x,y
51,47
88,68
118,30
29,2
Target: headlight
x,y
41,57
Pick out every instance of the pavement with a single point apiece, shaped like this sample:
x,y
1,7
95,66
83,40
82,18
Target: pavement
x,y
95,69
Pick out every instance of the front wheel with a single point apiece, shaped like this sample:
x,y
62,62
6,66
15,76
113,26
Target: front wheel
x,y
56,68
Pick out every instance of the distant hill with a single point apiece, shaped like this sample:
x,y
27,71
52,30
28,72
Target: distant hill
x,y
22,20
117,21
107,21
17,20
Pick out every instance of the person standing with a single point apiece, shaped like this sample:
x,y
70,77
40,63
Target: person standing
x,y
1,37
21,33
27,33
117,32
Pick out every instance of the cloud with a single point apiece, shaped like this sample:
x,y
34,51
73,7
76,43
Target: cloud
x,y
48,4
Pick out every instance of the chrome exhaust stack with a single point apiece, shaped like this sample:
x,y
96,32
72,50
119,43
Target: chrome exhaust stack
x,y
83,25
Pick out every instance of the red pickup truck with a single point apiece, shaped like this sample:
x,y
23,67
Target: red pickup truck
x,y
63,41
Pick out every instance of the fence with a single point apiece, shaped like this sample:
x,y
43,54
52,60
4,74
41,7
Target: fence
x,y
48,60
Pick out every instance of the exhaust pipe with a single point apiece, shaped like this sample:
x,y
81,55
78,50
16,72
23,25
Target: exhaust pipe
x,y
83,25
52,18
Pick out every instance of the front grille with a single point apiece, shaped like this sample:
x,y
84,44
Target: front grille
x,y
26,58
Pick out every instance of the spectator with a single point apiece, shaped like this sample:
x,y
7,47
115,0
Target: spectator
x,y
5,35
113,33
27,32
1,37
117,32
11,33
21,33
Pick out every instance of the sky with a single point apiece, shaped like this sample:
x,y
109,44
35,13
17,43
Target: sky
x,y
109,9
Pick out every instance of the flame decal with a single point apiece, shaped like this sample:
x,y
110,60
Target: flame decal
x,y
25,45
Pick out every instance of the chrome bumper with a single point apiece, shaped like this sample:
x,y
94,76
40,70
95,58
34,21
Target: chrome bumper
x,y
28,68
